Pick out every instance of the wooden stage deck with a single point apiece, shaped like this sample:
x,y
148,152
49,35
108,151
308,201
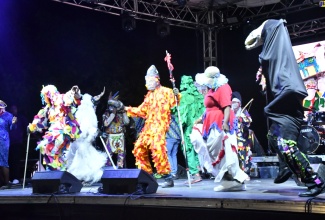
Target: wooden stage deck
x,y
262,199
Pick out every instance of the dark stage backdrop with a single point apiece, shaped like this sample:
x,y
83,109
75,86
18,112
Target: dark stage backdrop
x,y
44,42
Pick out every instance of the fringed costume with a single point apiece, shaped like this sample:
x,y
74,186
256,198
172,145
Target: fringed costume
x,y
58,118
155,109
83,160
191,107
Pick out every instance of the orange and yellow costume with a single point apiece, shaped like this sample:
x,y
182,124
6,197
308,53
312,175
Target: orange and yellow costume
x,y
155,109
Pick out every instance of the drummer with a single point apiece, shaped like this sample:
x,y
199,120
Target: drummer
x,y
314,103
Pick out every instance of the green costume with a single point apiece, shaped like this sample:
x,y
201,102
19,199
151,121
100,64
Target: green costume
x,y
191,108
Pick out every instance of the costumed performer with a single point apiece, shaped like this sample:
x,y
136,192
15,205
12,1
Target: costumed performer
x,y
219,130
155,109
58,119
244,141
191,107
285,92
115,121
83,160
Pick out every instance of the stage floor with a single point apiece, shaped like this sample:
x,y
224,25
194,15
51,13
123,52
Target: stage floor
x,y
260,196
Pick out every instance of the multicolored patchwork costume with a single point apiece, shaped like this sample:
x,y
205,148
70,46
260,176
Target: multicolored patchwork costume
x,y
58,118
114,121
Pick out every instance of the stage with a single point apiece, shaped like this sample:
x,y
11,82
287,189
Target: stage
x,y
262,199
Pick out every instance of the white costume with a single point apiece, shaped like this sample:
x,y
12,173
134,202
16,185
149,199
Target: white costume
x,y
83,160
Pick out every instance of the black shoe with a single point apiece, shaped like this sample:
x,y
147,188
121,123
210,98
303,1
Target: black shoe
x,y
8,186
312,192
168,183
283,175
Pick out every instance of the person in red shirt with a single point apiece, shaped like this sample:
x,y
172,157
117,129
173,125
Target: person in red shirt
x,y
219,130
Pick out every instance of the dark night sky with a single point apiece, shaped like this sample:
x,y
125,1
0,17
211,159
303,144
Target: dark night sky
x,y
44,42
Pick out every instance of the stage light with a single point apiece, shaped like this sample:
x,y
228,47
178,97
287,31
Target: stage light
x,y
232,20
128,22
163,28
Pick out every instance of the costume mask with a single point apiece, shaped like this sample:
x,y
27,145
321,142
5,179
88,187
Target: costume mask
x,y
151,82
235,105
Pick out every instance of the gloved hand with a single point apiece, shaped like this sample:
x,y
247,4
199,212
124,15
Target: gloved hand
x,y
104,135
28,131
176,91
114,110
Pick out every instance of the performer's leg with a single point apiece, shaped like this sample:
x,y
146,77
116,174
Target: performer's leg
x,y
298,163
193,162
160,159
172,148
140,153
284,172
120,156
159,155
109,150
241,154
14,160
4,177
231,156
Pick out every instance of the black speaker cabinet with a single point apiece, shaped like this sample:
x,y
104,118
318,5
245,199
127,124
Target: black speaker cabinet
x,y
128,181
59,182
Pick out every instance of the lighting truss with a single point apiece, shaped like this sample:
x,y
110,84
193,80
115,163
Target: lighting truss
x,y
210,16
195,15
307,28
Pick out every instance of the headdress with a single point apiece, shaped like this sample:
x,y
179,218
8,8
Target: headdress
x,y
114,102
211,78
152,78
47,93
152,71
236,95
2,104
96,98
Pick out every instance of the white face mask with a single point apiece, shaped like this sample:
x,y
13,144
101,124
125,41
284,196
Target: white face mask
x,y
235,105
151,82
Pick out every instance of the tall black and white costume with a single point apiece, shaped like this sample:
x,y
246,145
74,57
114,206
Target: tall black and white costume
x,y
285,93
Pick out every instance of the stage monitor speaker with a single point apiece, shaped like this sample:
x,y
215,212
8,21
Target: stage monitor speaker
x,y
57,182
128,181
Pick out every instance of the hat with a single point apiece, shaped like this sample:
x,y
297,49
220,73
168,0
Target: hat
x,y
236,95
2,104
152,71
208,78
47,93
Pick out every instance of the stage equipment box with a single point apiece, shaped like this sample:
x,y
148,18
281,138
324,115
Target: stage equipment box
x,y
267,172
